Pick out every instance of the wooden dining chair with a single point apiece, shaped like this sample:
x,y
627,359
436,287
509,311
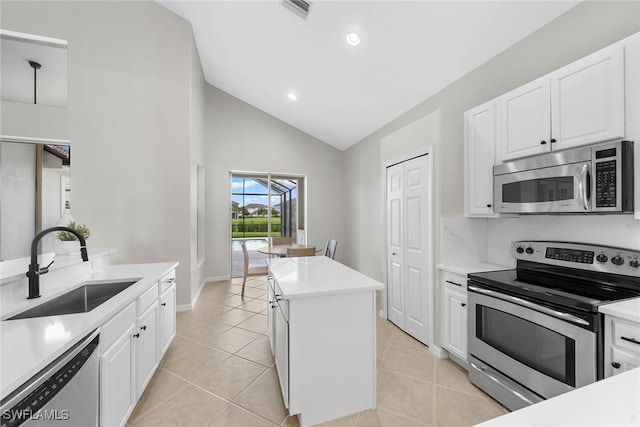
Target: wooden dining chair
x,y
257,268
330,248
275,241
298,252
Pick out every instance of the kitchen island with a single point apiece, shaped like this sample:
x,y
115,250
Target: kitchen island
x,y
322,331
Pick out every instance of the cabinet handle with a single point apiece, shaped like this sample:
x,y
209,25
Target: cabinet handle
x,y
543,142
144,328
136,335
164,304
489,205
633,340
615,365
553,140
464,304
453,283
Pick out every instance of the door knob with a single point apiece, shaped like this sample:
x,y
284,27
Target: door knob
x,y
615,365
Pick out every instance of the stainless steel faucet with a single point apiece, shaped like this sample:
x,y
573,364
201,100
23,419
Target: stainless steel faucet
x,y
34,268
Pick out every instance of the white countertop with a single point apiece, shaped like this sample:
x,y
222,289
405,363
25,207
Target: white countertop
x,y
317,275
614,401
464,268
629,309
29,345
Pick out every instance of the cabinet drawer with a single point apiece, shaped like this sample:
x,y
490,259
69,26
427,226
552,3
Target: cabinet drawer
x,y
145,300
281,304
457,280
114,328
626,335
167,281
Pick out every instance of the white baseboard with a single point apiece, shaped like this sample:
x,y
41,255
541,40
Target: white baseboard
x,y
217,278
439,352
194,299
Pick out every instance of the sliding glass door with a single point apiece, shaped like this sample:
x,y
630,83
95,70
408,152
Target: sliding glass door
x,y
264,205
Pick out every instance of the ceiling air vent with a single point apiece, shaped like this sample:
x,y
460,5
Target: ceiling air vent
x,y
299,7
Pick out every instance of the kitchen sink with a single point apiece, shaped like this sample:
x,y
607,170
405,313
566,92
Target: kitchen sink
x,y
80,300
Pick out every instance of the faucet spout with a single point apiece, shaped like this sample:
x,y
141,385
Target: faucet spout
x,y
34,268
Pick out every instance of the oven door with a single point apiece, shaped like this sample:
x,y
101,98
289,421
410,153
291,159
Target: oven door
x,y
546,351
564,188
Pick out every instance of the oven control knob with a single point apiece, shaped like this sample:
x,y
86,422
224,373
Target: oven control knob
x,y
519,249
529,250
602,258
634,263
617,260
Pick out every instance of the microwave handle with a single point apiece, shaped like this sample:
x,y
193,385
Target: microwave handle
x,y
584,186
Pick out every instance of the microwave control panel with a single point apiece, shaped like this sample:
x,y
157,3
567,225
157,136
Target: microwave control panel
x,y
605,177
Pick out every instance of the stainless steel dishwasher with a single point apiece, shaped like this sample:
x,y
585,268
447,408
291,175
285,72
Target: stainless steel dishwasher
x,y
65,393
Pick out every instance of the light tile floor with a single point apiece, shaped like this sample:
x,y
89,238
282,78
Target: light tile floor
x,y
219,371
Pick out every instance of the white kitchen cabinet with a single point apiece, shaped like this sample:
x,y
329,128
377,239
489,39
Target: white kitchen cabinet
x,y
270,315
622,345
524,120
146,347
117,367
479,158
581,103
167,319
116,371
587,99
454,324
323,330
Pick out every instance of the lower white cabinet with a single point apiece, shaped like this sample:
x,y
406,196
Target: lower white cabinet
x,y
117,391
454,324
133,342
281,352
146,347
622,345
167,321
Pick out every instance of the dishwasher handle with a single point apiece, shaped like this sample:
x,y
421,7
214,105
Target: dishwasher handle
x,y
51,380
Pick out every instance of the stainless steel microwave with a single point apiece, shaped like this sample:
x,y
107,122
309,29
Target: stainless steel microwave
x,y
592,179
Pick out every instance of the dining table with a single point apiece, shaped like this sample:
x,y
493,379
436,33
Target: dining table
x,y
281,250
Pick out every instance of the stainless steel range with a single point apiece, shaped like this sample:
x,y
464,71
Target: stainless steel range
x,y
535,332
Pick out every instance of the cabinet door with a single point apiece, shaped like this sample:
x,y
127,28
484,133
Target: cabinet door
x,y
117,398
146,347
587,99
524,120
167,319
479,155
622,361
455,322
271,306
281,342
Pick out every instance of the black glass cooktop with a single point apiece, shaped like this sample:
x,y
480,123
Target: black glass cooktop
x,y
561,286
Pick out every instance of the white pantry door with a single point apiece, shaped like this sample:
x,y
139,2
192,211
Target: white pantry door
x,y
409,245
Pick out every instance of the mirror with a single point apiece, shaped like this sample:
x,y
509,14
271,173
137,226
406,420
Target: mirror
x,y
35,192
33,69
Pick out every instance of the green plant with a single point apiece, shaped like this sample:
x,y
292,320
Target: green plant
x,y
66,236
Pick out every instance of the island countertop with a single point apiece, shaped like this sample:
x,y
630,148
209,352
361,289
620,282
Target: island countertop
x,y
302,277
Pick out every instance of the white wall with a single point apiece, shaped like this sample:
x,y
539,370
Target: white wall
x,y
131,67
240,137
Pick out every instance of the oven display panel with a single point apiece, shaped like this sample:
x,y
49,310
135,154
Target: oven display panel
x,y
571,255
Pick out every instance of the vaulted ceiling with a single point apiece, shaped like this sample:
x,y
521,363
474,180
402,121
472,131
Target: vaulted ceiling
x,y
260,51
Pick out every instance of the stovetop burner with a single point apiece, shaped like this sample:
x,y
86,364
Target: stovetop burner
x,y
568,275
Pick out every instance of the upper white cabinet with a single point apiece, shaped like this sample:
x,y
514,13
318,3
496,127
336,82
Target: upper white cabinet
x,y
587,99
479,143
524,120
581,103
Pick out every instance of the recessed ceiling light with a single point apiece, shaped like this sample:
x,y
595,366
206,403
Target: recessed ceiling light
x,y
292,96
353,39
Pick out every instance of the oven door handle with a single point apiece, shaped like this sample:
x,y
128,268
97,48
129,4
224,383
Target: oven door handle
x,y
560,315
